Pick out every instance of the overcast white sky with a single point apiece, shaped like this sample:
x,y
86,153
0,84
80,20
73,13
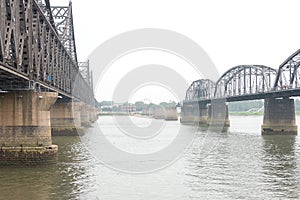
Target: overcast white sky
x,y
232,32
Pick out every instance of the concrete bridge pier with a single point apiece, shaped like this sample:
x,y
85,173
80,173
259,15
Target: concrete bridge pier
x,y
93,115
195,113
187,113
218,114
65,118
279,117
171,114
85,115
96,113
25,131
203,114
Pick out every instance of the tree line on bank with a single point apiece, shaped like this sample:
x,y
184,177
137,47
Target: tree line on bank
x,y
244,106
240,106
110,106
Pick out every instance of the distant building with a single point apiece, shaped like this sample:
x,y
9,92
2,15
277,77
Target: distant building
x,y
128,108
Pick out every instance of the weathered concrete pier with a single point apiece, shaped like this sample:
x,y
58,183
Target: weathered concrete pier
x,y
41,81
218,115
166,113
66,118
27,121
171,114
190,114
203,114
70,118
159,113
25,129
279,117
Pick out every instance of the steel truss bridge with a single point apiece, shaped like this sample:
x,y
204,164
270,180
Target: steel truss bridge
x,y
38,51
250,82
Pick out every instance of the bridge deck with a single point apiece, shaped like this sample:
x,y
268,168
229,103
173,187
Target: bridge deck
x,y
246,97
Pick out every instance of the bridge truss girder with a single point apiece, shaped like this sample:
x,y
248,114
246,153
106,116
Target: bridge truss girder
x,y
245,80
288,76
86,73
200,90
32,47
63,20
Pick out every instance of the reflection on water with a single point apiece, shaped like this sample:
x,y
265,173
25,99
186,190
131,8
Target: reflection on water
x,y
280,170
238,164
65,180
231,170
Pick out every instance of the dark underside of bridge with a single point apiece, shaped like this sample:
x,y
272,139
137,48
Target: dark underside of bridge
x,y
12,80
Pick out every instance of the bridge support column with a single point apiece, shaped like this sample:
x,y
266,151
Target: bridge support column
x,y
96,113
195,113
218,115
65,118
188,111
92,114
171,114
25,132
279,117
85,116
203,114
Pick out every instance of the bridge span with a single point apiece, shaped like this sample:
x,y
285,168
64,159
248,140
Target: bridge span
x,y
205,101
43,87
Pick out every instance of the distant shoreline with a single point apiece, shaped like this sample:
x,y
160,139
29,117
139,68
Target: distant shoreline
x,y
113,113
251,113
122,114
246,113
146,116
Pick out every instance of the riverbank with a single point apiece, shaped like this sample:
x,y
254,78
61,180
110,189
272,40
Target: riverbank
x,y
246,113
114,113
251,113
146,116
124,114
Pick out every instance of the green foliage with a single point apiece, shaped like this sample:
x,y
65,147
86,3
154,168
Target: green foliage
x,y
106,103
109,106
297,105
139,105
245,113
243,106
170,104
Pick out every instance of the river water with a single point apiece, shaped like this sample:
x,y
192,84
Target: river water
x,y
242,165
